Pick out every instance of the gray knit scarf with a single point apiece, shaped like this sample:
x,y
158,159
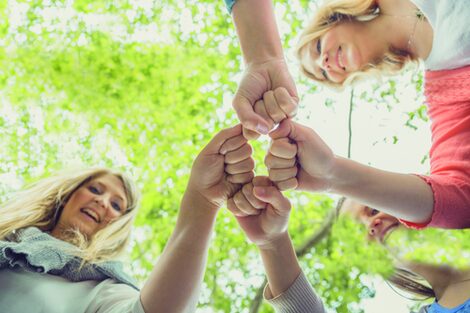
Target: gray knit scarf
x,y
37,251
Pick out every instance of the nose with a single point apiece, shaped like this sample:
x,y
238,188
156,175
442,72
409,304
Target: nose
x,y
103,201
323,61
374,227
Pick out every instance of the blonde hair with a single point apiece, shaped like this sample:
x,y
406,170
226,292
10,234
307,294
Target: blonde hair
x,y
412,283
330,14
41,204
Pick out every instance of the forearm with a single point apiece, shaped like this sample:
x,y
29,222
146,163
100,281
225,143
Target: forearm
x,y
281,265
176,279
257,30
404,196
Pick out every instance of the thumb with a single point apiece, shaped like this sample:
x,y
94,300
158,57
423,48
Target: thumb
x,y
213,147
248,116
284,129
292,130
272,196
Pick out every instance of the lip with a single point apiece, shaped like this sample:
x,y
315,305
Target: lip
x,y
388,230
91,209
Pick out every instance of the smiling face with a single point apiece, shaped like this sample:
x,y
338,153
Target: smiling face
x,y
379,225
92,206
346,48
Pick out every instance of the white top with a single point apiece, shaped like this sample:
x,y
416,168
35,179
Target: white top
x,y
450,20
22,291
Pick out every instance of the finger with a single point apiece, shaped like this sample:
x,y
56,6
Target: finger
x,y
238,155
249,134
274,197
272,161
292,130
283,130
244,166
232,144
247,191
247,116
262,181
213,147
288,184
233,208
242,178
287,104
283,148
260,109
282,174
244,205
272,107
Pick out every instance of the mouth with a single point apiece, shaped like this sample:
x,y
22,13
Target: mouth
x,y
387,231
339,59
91,214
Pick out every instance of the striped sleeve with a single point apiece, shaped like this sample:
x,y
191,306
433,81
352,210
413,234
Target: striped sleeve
x,y
299,298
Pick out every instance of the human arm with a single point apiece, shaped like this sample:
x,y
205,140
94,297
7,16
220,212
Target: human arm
x,y
263,214
217,172
266,69
404,196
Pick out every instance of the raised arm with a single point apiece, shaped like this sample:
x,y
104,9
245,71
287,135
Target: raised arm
x,y
404,196
217,173
266,69
263,214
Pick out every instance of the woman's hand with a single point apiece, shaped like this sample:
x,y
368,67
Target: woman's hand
x,y
262,211
221,168
294,144
267,85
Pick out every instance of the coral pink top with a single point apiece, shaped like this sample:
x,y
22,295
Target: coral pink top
x,y
448,99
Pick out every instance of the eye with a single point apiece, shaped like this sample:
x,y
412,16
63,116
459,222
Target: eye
x,y
318,46
373,212
323,72
116,206
93,189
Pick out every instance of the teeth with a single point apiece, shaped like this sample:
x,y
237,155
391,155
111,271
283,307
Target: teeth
x,y
92,214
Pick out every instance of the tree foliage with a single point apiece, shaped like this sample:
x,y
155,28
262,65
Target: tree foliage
x,y
142,86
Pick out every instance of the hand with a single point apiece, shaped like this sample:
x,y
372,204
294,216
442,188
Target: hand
x,y
261,210
315,159
270,83
221,167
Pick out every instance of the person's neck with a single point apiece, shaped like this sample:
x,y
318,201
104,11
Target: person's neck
x,y
451,286
404,31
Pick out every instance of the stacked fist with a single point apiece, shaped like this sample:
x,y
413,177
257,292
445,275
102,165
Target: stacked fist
x,y
297,159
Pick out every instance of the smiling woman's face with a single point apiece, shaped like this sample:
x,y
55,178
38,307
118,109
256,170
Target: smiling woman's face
x,y
92,206
344,49
379,225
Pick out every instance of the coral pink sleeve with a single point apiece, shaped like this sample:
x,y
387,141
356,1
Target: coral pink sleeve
x,y
448,100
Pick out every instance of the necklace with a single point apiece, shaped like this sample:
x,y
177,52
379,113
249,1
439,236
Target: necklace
x,y
418,15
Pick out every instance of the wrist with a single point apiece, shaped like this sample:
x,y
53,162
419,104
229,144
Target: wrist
x,y
275,243
338,175
193,199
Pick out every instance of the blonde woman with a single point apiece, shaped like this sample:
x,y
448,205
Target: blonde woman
x,y
61,238
348,40
448,286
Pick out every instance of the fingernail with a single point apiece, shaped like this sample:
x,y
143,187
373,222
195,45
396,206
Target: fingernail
x,y
262,129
